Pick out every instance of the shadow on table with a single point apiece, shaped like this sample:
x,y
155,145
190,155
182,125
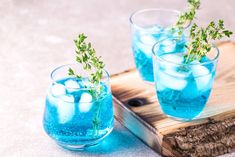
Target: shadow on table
x,y
115,142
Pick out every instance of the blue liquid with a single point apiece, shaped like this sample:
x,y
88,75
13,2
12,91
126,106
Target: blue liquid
x,y
183,92
144,65
176,104
142,43
71,122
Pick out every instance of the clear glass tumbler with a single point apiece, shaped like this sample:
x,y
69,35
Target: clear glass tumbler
x,y
73,117
182,88
149,26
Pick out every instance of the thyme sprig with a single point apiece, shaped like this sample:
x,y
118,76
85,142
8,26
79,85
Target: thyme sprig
x,y
202,38
86,56
185,18
188,16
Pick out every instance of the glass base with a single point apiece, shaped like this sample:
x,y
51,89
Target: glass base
x,y
76,147
184,119
80,147
149,82
147,79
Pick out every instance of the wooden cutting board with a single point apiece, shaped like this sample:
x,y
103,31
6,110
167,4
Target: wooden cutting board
x,y
212,134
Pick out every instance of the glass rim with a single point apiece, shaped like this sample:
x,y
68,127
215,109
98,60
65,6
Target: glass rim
x,y
105,72
191,63
153,9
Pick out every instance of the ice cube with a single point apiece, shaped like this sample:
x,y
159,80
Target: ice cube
x,y
156,31
148,34
86,83
53,101
153,29
85,97
85,102
58,90
66,111
177,72
85,107
67,98
146,49
194,62
173,69
148,39
202,77
71,84
171,81
174,58
145,41
168,45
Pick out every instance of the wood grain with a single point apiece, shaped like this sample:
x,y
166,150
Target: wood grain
x,y
212,134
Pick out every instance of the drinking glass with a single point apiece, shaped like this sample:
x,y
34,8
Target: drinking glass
x,y
149,26
75,116
182,88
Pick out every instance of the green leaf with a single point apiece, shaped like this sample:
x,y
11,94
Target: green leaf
x,y
227,33
70,72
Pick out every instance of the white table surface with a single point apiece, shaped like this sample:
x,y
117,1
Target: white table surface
x,y
37,35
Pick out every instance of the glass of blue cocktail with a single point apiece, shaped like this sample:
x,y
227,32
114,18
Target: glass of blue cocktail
x,y
182,88
73,117
149,26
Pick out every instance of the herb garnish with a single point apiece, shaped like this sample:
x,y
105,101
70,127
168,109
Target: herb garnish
x,y
86,56
201,39
186,17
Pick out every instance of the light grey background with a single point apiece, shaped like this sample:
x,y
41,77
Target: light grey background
x,y
37,35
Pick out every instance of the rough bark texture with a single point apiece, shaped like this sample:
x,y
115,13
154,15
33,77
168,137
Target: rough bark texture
x,y
206,140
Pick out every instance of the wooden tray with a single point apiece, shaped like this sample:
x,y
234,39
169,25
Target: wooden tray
x,y
136,107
